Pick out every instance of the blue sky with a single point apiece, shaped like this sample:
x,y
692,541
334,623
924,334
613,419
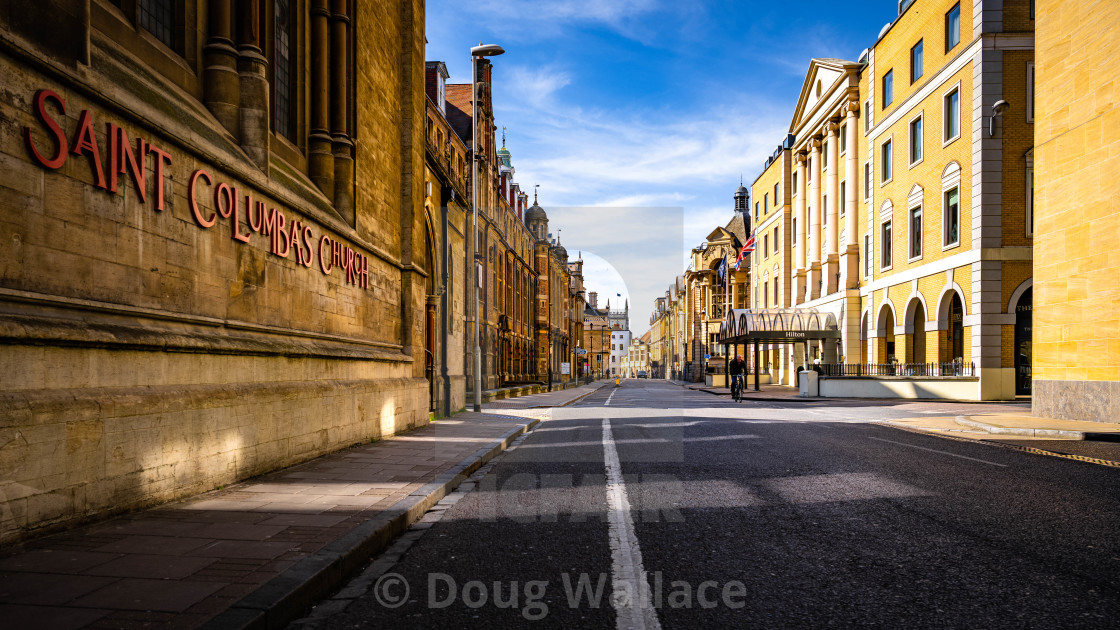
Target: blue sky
x,y
637,117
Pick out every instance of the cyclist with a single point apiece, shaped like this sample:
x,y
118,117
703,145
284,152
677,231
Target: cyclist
x,y
737,368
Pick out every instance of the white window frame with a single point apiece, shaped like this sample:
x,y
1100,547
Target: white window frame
x,y
794,177
884,162
948,184
842,192
886,245
944,114
1030,91
844,139
1028,218
776,204
920,118
867,109
910,235
868,176
793,239
869,255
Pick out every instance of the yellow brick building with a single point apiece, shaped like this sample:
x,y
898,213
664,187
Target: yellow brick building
x,y
1077,211
907,198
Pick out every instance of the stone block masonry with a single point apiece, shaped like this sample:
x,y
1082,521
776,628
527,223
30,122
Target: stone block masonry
x,y
181,305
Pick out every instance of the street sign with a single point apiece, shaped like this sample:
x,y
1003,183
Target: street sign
x,y
565,368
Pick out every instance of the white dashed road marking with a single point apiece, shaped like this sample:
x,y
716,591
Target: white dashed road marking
x,y
631,596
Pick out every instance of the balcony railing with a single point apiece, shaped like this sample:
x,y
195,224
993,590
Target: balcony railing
x,y
934,370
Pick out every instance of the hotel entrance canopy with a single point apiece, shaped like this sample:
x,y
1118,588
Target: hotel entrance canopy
x,y
777,325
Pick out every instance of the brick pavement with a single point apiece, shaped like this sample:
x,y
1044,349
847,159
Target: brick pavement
x,y
257,551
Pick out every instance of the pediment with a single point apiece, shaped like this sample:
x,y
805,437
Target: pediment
x,y
822,75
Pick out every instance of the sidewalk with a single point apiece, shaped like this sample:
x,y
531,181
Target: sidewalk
x,y
1026,425
260,552
555,398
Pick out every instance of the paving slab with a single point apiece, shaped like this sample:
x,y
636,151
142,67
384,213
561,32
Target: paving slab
x,y
1026,425
262,549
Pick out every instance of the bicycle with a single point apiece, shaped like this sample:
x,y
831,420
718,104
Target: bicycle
x,y
737,389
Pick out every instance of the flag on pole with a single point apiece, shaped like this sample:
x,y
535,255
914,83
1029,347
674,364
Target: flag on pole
x,y
748,247
723,272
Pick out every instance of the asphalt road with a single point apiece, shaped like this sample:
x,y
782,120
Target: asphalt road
x,y
676,508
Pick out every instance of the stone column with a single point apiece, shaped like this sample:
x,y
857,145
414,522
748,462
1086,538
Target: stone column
x,y
320,157
252,70
799,285
832,233
814,269
850,262
220,81
343,147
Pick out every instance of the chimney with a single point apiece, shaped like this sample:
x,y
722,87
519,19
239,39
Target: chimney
x,y
594,299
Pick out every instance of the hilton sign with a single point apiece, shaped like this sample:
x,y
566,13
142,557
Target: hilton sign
x,y
246,216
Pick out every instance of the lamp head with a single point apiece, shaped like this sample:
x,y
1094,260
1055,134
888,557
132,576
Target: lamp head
x,y
486,50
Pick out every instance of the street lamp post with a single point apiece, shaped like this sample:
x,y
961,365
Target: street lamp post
x,y
482,50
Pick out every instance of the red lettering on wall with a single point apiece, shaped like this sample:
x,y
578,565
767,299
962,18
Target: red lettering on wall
x,y
279,234
325,264
257,225
235,226
293,240
192,199
223,200
161,157
307,235
121,160
86,141
61,145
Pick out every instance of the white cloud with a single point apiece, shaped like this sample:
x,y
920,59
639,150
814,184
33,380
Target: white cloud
x,y
537,85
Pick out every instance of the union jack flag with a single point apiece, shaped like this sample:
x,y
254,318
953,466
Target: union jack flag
x,y
748,247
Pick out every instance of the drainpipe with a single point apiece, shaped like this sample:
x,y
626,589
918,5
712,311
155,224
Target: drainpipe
x,y
448,195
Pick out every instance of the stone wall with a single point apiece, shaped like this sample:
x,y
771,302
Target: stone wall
x,y
162,332
1077,217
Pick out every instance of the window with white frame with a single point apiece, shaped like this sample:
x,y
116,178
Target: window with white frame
x,y
776,202
843,139
867,115
1030,92
951,205
1029,208
765,203
915,232
952,114
952,220
885,155
843,196
794,237
886,244
916,150
867,179
794,192
868,255
775,239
